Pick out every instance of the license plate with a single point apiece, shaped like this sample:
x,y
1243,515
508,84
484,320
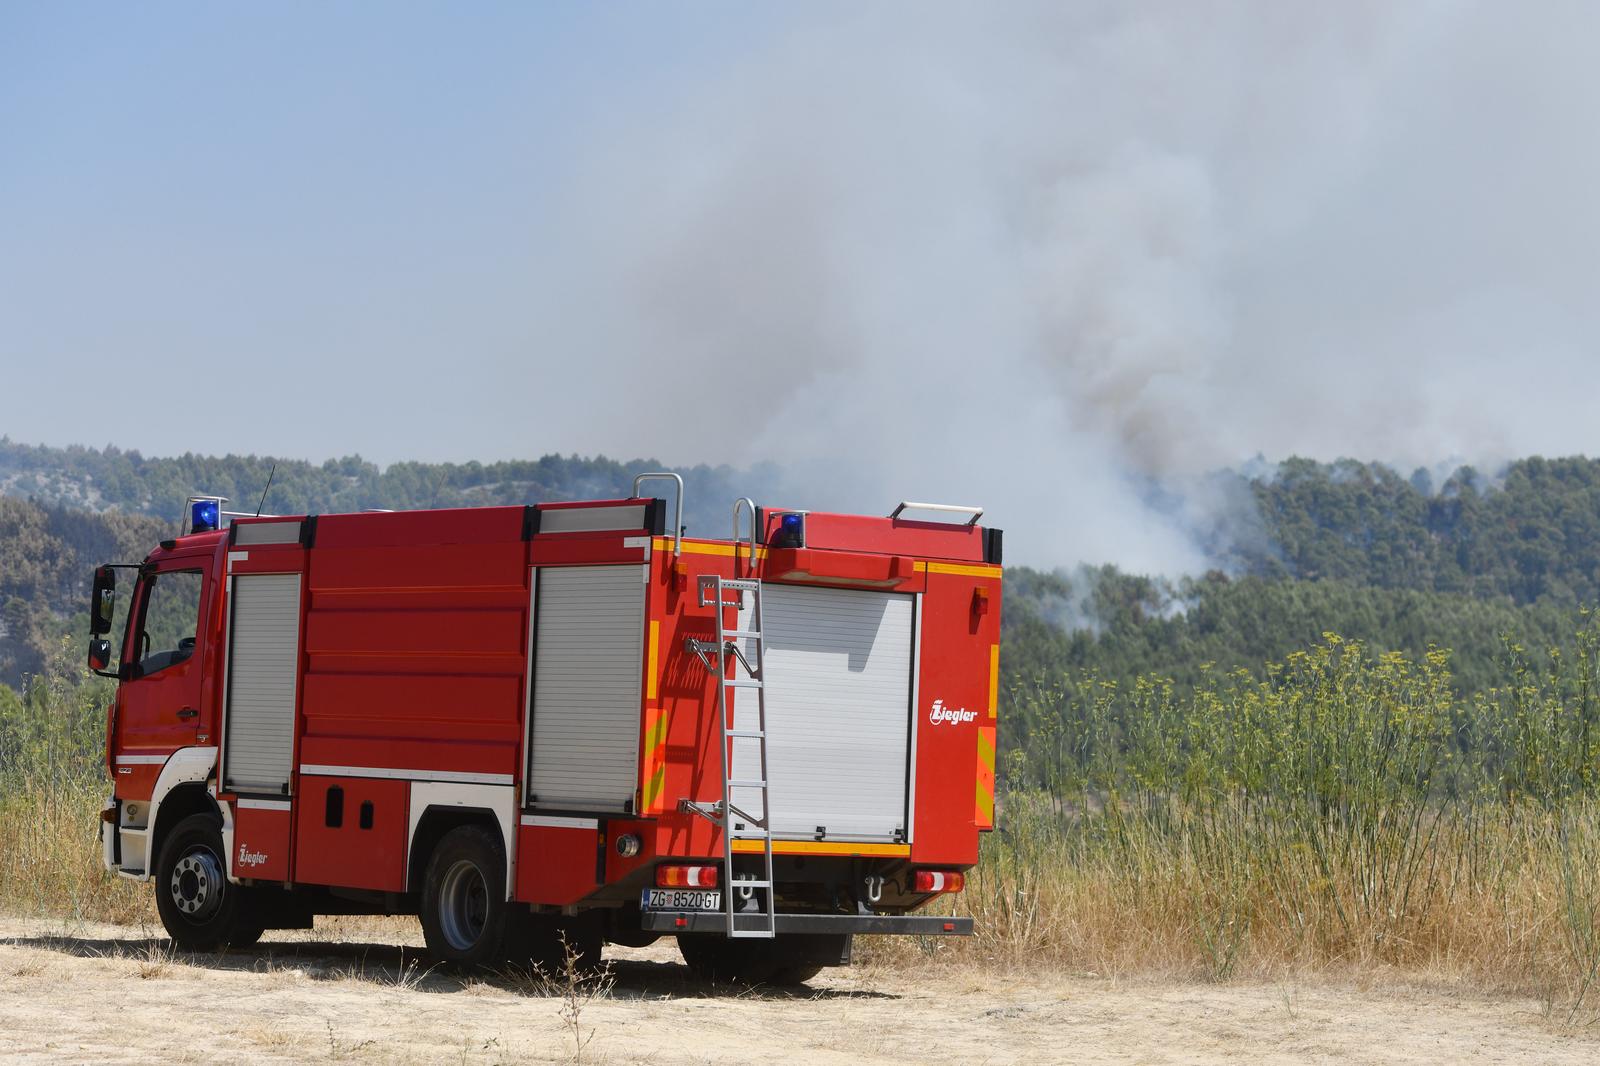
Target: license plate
x,y
680,899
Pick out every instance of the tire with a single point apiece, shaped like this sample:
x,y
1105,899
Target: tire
x,y
466,920
544,939
200,909
786,960
797,974
715,958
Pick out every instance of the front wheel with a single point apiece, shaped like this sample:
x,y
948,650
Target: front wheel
x,y
200,909
466,920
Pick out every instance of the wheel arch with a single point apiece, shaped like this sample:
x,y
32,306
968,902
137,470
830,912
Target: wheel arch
x,y
438,807
181,790
435,823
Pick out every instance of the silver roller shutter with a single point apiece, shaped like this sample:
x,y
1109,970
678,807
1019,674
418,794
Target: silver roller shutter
x,y
838,689
263,661
587,670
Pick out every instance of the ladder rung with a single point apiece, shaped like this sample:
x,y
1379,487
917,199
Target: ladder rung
x,y
737,634
750,884
740,682
749,834
751,733
752,783
739,584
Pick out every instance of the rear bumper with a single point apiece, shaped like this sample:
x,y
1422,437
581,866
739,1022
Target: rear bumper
x,y
889,924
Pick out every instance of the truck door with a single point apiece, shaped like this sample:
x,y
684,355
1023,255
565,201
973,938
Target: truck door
x,y
158,700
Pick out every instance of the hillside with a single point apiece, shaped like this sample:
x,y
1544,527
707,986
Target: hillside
x,y
1310,547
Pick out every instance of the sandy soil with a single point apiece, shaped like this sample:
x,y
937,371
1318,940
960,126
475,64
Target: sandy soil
x,y
114,994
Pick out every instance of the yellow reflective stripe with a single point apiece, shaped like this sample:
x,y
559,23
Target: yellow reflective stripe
x,y
822,847
986,749
994,680
704,548
983,813
655,756
654,787
964,570
650,678
656,735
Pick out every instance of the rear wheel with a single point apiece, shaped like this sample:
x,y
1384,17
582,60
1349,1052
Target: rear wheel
x,y
784,960
466,919
797,974
716,958
200,909
546,940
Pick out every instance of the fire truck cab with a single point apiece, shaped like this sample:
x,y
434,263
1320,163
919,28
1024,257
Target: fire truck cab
x,y
557,724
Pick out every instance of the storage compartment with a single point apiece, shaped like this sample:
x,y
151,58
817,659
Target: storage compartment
x,y
838,666
351,831
588,667
261,839
263,662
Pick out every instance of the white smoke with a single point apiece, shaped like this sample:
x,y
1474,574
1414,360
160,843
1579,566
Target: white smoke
x,y
1034,256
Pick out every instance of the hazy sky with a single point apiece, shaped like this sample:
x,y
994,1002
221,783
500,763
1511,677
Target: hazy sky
x,y
1021,254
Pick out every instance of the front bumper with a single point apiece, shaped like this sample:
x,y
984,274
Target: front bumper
x,y
889,924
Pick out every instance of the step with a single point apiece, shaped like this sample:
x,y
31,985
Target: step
x,y
739,682
739,584
753,734
751,884
752,783
742,634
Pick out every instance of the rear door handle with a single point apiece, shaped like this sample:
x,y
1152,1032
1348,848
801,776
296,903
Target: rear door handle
x,y
188,712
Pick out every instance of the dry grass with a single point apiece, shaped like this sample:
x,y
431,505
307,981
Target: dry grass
x,y
1508,904
50,855
1343,814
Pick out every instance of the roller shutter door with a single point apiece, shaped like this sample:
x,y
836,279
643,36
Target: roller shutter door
x,y
587,671
838,673
263,662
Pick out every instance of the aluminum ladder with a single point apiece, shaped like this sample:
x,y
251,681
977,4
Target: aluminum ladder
x,y
736,823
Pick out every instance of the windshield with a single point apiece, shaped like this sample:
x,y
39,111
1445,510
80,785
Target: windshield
x,y
168,620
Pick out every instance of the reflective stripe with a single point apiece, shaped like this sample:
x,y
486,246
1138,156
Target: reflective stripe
x,y
822,847
963,570
553,822
994,680
983,813
457,776
263,805
654,662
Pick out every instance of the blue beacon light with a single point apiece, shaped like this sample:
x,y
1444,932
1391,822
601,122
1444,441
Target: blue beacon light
x,y
791,532
204,516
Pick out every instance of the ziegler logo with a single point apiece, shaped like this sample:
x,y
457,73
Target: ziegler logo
x,y
250,858
940,714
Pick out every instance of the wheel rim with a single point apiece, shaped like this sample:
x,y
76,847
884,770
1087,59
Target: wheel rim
x,y
463,905
197,883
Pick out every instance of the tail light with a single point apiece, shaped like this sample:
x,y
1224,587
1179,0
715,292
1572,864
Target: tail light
x,y
686,877
924,882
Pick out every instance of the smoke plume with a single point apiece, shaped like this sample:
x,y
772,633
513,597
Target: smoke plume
x,y
1035,256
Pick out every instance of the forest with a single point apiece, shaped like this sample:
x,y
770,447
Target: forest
x,y
1477,563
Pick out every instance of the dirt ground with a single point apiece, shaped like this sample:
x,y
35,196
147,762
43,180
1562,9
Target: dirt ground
x,y
114,994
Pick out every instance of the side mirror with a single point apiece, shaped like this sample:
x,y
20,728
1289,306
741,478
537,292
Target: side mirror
x,y
99,653
102,601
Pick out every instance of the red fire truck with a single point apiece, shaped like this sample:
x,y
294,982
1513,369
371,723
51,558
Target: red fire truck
x,y
559,722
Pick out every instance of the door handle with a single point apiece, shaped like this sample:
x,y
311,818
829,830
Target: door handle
x,y
188,712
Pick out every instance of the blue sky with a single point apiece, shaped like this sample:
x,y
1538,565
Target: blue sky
x,y
316,221
1035,255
